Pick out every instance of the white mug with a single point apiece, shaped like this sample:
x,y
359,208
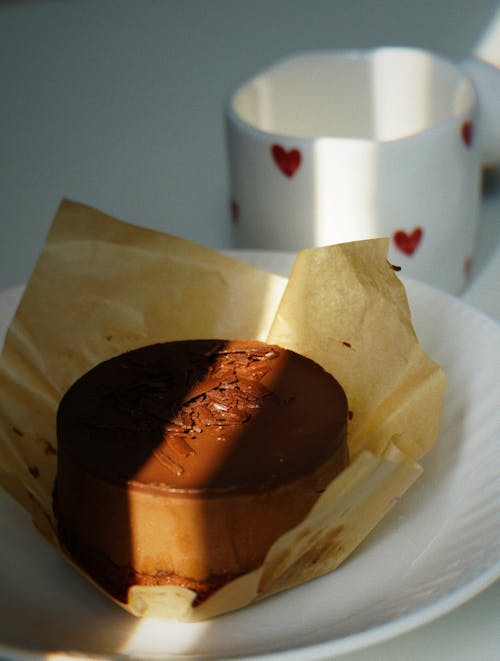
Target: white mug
x,y
327,147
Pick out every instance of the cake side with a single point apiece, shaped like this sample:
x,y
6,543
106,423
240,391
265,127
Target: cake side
x,y
124,536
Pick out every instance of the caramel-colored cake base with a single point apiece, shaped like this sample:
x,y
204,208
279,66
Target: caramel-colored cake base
x,y
183,462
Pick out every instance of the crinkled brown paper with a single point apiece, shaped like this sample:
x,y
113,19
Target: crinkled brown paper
x,y
102,286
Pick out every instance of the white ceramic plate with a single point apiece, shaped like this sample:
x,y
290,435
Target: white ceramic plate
x,y
436,549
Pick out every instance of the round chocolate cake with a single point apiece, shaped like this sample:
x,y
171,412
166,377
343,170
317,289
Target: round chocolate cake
x,y
183,462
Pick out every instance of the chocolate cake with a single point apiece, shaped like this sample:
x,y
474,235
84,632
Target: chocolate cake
x,y
183,462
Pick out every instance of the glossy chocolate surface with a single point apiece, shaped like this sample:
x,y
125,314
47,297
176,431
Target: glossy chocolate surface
x,y
203,417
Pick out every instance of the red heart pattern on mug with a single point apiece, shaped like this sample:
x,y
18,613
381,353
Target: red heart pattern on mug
x,y
288,161
467,133
408,242
234,208
468,267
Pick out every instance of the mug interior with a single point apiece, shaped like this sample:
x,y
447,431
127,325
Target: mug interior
x,y
382,95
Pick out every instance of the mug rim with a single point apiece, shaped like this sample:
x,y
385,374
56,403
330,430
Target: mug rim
x,y
349,54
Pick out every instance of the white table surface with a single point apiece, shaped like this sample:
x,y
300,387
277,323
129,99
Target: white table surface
x,y
118,104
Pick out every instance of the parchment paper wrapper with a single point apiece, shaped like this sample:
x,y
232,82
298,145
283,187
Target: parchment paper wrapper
x,y
102,286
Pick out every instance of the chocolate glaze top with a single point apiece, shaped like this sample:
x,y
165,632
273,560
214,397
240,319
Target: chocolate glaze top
x,y
203,416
